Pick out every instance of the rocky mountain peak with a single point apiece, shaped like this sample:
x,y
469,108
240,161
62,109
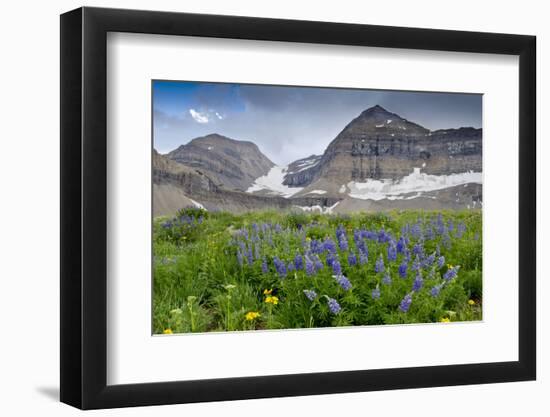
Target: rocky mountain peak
x,y
379,121
232,164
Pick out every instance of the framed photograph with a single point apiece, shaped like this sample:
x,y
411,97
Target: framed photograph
x,y
259,208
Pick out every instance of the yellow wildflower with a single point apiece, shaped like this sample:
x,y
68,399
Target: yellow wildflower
x,y
445,320
272,299
471,302
167,331
251,315
268,292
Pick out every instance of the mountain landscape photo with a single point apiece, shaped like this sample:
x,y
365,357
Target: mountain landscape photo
x,y
345,206
379,161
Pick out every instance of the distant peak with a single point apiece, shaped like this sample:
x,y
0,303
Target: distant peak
x,y
376,108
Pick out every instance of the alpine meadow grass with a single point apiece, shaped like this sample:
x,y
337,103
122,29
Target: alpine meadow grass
x,y
217,271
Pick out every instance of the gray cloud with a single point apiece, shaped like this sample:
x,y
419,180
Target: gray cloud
x,y
289,123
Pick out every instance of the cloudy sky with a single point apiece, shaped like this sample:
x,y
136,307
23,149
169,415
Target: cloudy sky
x,y
290,123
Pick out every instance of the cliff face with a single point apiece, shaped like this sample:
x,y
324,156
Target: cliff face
x,y
379,144
229,163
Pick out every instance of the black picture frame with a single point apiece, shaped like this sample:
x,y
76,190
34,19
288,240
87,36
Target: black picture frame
x,y
84,207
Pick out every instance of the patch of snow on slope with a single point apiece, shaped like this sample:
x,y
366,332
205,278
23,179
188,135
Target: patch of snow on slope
x,y
197,204
322,210
416,182
306,164
273,182
317,192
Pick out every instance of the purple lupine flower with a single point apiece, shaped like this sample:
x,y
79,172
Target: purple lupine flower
x,y
240,257
403,269
278,228
362,247
416,230
440,261
309,267
437,250
280,267
318,264
392,252
418,249
405,303
387,279
357,236
249,256
451,273
400,247
167,224
298,262
333,305
379,267
416,264
383,236
352,259
418,282
407,255
446,241
336,267
264,266
428,261
436,289
310,294
429,233
330,259
316,246
329,246
290,267
340,231
440,225
363,259
460,229
343,281
450,225
343,242
375,294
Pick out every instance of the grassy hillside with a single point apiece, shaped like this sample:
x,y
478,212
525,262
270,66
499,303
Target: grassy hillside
x,y
275,270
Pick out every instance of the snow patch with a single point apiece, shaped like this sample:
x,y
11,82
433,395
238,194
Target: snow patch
x,y
320,209
306,164
415,182
317,192
210,148
343,189
197,204
273,182
389,121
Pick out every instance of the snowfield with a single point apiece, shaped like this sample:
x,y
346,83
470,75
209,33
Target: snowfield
x,y
273,182
317,208
415,182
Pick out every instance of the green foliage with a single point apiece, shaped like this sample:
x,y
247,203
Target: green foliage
x,y
192,212
200,286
